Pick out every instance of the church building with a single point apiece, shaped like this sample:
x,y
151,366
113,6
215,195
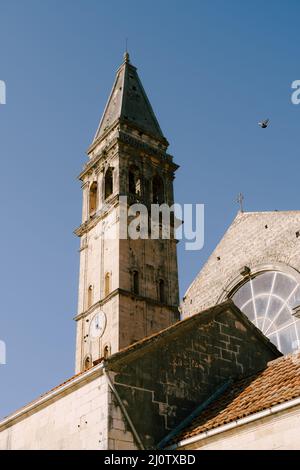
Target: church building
x,y
218,370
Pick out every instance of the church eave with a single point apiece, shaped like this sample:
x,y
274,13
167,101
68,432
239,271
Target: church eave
x,y
54,394
140,128
128,139
93,221
150,150
99,139
123,121
205,316
97,158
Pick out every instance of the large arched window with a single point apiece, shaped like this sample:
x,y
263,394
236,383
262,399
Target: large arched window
x,y
93,198
269,300
157,190
108,183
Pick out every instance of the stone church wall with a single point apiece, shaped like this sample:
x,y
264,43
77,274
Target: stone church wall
x,y
160,381
254,239
82,414
163,382
74,418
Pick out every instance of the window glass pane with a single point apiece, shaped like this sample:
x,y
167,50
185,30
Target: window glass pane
x,y
269,303
249,311
263,284
275,306
287,339
261,305
242,295
284,317
268,326
260,322
294,300
284,285
274,339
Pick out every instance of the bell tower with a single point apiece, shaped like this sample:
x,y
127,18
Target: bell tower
x,y
128,288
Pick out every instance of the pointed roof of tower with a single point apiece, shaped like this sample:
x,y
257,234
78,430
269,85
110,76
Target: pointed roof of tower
x,y
128,101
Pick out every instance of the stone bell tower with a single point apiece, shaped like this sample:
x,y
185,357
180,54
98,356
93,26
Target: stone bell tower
x,y
128,288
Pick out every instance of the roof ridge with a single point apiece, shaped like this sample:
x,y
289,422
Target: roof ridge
x,y
269,212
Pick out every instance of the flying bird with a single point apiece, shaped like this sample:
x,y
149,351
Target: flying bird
x,y
264,124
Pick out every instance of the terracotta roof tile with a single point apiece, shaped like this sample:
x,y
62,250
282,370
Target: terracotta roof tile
x,y
278,383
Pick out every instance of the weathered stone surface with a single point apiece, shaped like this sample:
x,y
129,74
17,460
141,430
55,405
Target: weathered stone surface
x,y
74,418
164,378
128,138
259,240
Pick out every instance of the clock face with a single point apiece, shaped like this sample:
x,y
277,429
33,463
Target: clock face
x,y
97,325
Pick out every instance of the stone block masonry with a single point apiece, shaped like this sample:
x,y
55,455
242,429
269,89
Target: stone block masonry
x,y
259,240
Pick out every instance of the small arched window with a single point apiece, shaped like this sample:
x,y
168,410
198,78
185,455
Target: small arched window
x,y
106,351
161,291
136,287
134,181
108,184
87,362
157,190
131,178
93,196
90,296
107,287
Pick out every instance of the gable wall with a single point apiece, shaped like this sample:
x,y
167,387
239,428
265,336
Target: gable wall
x,y
164,385
247,243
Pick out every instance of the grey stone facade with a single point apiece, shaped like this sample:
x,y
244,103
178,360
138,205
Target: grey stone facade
x,y
134,283
163,379
259,240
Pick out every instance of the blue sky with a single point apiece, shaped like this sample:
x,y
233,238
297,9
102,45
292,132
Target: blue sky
x,y
211,69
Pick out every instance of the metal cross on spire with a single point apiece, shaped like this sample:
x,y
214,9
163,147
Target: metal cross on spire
x,y
126,55
240,200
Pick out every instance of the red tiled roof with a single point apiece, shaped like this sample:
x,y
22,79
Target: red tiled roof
x,y
278,383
